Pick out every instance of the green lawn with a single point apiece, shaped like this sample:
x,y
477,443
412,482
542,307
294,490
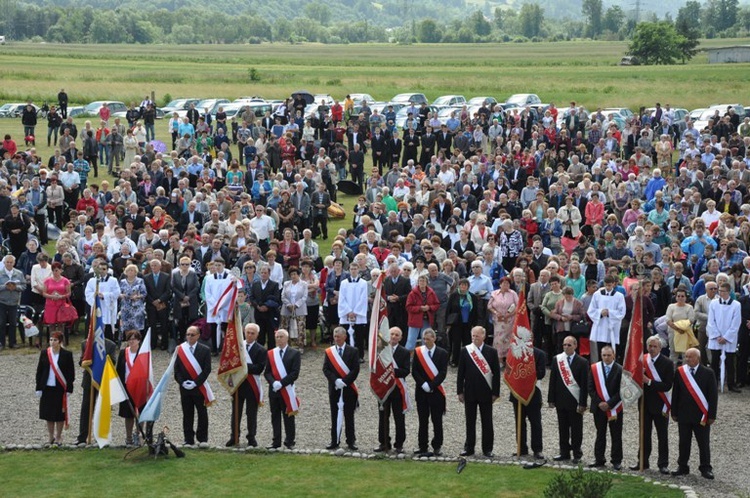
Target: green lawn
x,y
87,473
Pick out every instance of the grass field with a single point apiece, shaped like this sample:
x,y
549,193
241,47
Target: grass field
x,y
584,71
87,473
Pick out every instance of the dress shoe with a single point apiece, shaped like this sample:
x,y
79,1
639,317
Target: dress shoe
x,y
681,471
617,466
740,385
466,453
427,454
560,458
273,447
380,449
419,451
538,456
488,455
352,447
289,446
637,467
332,446
436,452
664,471
398,449
735,390
596,465
230,443
707,474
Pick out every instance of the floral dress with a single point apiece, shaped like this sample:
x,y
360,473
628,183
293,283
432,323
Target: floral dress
x,y
132,308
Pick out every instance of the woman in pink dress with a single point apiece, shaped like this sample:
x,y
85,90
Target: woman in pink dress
x,y
502,305
56,292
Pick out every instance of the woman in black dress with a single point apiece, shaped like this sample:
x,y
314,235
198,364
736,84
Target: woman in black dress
x,y
55,376
125,362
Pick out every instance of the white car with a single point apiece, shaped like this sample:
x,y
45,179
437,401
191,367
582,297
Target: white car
x,y
491,101
716,109
523,99
450,100
210,106
180,106
359,97
323,98
14,110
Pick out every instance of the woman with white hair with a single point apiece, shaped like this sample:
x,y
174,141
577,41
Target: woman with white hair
x,y
664,152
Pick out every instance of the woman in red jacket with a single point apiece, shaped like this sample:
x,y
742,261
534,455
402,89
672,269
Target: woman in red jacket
x,y
421,305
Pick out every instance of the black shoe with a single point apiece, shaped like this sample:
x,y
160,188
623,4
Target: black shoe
x,y
617,466
637,467
596,465
740,385
466,453
419,452
561,458
289,446
380,449
252,443
681,471
488,455
273,447
332,446
734,390
427,454
230,443
398,449
188,443
664,471
538,456
707,474
352,447
436,452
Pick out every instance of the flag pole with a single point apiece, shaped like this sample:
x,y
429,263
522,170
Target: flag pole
x,y
642,417
236,421
518,427
92,321
91,411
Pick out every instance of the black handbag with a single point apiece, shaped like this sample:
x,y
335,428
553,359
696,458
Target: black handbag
x,y
581,328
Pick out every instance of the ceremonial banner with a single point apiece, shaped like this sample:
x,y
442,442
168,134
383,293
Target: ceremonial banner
x,y
111,392
152,410
382,376
520,365
95,352
140,382
232,367
631,386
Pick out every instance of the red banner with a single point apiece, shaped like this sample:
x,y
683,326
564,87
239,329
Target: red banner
x,y
634,350
520,365
382,375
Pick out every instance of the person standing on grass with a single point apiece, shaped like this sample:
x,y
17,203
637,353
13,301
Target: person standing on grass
x,y
191,372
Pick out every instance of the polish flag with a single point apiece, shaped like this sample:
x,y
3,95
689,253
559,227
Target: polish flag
x,y
140,383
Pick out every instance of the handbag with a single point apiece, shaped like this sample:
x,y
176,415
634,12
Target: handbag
x,y
67,313
581,328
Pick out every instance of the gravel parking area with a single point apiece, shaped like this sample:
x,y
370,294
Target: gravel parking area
x,y
19,413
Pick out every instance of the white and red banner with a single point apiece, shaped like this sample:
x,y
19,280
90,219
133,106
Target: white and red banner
x,y
140,377
232,365
520,365
382,375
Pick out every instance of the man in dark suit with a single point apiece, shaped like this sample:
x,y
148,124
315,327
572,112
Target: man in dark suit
x,y
394,149
341,368
185,296
192,397
355,136
689,413
444,140
397,289
429,391
357,165
411,145
396,402
478,387
429,140
291,359
320,201
517,177
606,405
379,146
443,208
190,216
265,297
659,376
568,390
132,214
158,298
250,393
532,411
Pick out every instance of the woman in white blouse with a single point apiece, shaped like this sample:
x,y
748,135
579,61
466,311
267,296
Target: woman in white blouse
x,y
294,307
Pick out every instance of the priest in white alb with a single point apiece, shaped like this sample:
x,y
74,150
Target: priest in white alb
x,y
606,311
353,309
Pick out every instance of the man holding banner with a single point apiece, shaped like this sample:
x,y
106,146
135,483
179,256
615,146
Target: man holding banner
x,y
341,368
191,372
281,372
429,368
397,401
250,392
478,388
606,405
110,349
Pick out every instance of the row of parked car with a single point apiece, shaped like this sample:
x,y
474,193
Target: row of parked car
x,y
444,106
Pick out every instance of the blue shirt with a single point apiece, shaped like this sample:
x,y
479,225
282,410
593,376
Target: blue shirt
x,y
479,284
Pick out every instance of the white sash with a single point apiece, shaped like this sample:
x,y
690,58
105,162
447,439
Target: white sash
x,y
406,404
205,388
654,374
128,363
481,363
566,374
423,355
601,389
287,392
257,385
695,391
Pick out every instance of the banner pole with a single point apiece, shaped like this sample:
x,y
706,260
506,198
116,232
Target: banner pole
x,y
91,411
519,418
236,419
642,418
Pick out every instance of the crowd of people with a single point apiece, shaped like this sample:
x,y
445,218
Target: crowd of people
x,y
465,217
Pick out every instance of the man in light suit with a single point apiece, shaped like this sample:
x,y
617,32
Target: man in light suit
x,y
341,368
301,202
158,297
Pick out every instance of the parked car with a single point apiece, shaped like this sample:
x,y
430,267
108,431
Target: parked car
x,y
451,100
92,109
481,100
121,114
523,99
74,112
715,109
359,97
679,113
180,106
407,98
210,106
323,98
14,109
630,60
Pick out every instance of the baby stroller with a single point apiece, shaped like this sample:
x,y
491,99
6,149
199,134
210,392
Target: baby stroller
x,y
28,330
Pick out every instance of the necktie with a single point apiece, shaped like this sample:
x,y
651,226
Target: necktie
x,y
430,353
692,371
192,349
249,347
570,360
606,371
281,353
341,351
156,279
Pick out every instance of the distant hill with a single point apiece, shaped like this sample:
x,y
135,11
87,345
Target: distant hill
x,y
386,13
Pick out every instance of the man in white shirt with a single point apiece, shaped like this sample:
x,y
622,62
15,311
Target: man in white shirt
x,y
724,319
606,311
115,245
353,308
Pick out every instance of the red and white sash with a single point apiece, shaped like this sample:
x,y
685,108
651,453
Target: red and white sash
x,y
428,366
597,369
652,374
566,374
287,392
401,385
476,356
194,370
254,381
60,380
341,368
695,391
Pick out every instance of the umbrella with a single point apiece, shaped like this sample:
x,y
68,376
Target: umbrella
x,y
349,187
159,146
340,416
722,370
309,99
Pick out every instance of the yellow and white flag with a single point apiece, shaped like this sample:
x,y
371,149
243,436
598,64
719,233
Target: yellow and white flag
x,y
110,392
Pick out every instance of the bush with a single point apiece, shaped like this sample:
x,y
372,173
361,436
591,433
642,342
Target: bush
x,y
166,99
253,74
579,484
